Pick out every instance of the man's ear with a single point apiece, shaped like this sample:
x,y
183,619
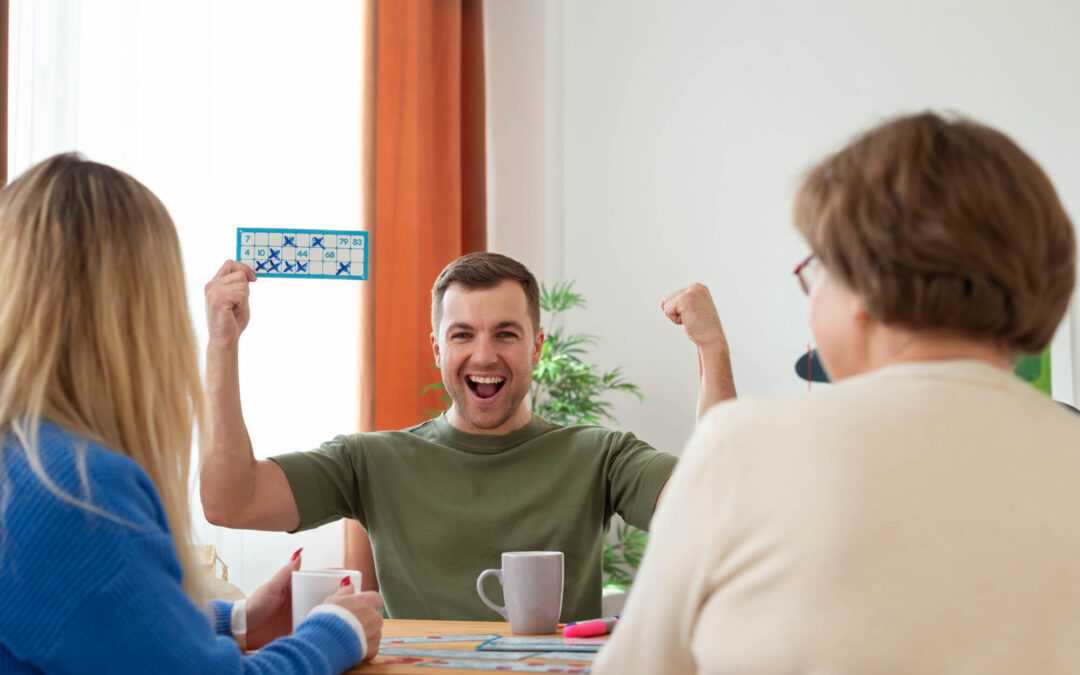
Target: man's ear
x,y
435,349
538,347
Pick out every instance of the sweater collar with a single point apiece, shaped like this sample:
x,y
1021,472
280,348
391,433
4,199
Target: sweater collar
x,y
973,371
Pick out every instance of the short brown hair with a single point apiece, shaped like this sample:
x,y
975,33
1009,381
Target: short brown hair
x,y
485,270
943,224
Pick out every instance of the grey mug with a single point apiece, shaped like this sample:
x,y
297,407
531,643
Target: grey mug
x,y
532,584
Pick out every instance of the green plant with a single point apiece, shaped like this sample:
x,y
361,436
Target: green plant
x,y
622,557
1035,368
565,389
444,396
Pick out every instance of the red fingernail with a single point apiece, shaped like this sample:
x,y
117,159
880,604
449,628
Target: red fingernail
x,y
297,554
345,582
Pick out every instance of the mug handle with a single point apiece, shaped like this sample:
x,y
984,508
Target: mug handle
x,y
480,590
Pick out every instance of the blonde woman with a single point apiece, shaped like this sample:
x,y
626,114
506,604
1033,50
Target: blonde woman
x,y
99,391
920,515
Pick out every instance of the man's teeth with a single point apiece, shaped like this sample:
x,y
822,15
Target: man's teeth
x,y
485,380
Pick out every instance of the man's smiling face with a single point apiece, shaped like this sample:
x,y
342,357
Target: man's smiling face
x,y
486,347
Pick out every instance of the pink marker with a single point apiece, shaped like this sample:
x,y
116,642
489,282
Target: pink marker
x,y
591,628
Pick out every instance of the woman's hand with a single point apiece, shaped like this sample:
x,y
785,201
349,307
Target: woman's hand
x,y
365,606
269,609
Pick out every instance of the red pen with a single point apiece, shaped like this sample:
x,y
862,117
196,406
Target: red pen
x,y
578,629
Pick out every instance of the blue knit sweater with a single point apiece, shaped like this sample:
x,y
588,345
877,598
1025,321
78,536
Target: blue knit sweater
x,y
83,593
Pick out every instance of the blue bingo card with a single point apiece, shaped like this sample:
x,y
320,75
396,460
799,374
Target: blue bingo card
x,y
425,639
307,254
543,644
460,653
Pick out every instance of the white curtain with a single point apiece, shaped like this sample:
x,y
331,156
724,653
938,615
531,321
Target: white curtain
x,y
236,112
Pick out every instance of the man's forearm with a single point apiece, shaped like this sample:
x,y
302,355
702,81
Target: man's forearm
x,y
715,380
229,466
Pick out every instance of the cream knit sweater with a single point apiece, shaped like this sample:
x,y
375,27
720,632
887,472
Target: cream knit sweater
x,y
924,518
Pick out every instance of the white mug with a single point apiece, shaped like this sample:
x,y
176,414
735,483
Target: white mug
x,y
532,584
311,588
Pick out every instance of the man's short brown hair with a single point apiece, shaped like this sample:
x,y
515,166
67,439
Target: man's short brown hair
x,y
943,225
485,270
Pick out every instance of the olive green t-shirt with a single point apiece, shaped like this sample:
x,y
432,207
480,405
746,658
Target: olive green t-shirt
x,y
441,505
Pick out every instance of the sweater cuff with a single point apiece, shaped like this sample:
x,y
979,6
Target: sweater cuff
x,y
239,623
220,613
334,637
348,617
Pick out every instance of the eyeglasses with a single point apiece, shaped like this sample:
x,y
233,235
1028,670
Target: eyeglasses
x,y
805,272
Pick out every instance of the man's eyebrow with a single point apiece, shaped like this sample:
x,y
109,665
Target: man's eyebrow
x,y
458,325
502,325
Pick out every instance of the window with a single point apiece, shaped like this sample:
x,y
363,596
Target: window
x,y
239,113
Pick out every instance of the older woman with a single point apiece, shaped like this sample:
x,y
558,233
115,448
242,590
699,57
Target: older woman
x,y
923,514
99,387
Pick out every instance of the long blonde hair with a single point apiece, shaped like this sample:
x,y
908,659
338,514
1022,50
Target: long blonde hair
x,y
95,333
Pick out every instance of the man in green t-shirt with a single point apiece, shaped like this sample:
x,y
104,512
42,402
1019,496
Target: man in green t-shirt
x,y
442,500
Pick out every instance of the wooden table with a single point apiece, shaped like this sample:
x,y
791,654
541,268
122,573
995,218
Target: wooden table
x,y
396,665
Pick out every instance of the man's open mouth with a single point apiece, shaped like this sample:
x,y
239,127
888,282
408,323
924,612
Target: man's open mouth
x,y
485,386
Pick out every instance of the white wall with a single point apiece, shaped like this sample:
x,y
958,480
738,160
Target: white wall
x,y
516,115
686,125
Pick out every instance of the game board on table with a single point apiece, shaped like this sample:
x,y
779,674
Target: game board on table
x,y
490,653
